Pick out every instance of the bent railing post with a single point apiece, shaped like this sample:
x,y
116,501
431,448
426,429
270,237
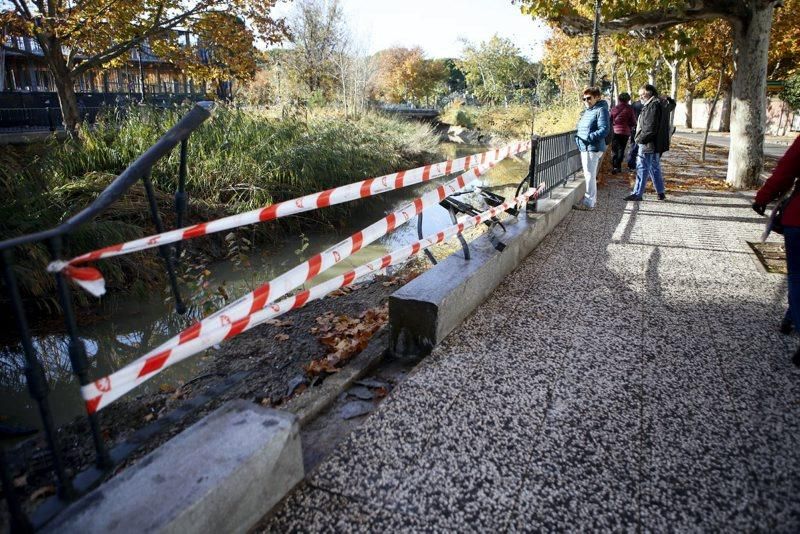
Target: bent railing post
x,y
165,250
464,244
36,379
427,252
181,198
533,171
77,353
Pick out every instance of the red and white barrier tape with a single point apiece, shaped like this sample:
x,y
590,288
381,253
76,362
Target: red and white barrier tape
x,y
90,278
278,287
106,390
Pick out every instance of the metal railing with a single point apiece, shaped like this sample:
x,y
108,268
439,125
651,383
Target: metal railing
x,y
69,488
554,159
48,118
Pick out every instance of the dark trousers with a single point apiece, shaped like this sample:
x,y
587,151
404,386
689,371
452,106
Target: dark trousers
x,y
618,144
791,236
634,152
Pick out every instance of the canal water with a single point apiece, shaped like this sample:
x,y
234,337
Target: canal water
x,y
131,327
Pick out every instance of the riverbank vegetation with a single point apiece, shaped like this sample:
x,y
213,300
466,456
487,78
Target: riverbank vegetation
x,y
238,160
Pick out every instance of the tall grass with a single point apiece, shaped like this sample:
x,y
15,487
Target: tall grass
x,y
238,160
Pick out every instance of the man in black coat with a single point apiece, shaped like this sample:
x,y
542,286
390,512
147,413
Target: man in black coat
x,y
653,134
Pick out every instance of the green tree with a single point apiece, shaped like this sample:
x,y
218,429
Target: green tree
x,y
495,69
791,92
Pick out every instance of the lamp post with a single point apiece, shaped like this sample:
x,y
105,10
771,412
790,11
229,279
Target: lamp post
x,y
595,36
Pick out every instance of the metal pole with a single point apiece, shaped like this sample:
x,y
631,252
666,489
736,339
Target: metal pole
x,y
77,355
180,195
595,37
36,379
164,250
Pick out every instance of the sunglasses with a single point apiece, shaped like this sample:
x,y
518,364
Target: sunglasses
x,y
587,98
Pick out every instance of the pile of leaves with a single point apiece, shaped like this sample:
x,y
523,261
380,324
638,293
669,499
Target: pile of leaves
x,y
344,337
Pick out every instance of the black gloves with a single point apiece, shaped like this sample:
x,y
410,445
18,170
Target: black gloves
x,y
759,208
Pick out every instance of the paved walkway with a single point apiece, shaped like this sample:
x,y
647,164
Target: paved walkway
x,y
628,376
776,149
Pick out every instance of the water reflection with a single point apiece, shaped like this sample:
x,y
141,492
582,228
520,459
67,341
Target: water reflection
x,y
131,328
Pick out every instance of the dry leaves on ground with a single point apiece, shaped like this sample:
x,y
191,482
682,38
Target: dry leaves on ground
x,y
344,337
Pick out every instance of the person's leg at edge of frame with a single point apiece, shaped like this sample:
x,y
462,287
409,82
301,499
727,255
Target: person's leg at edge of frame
x,y
791,236
590,198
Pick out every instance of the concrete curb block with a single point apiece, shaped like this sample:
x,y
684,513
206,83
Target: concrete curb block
x,y
424,311
222,474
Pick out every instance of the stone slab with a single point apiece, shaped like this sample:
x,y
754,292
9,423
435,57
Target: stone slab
x,y
423,312
222,474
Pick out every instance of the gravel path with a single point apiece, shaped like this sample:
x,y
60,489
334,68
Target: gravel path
x,y
628,376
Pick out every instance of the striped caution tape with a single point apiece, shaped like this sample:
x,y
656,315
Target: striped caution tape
x,y
90,278
106,390
302,273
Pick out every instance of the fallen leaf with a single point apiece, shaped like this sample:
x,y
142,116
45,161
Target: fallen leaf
x,y
166,388
281,337
278,323
149,417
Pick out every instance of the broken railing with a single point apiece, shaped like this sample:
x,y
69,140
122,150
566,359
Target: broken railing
x,y
554,159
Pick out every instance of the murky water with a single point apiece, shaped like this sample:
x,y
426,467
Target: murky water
x,y
131,328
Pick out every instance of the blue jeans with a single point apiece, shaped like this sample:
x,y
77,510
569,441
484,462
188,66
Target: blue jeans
x,y
791,236
648,165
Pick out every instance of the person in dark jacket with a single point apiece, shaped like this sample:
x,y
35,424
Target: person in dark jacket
x,y
782,180
647,133
623,120
637,109
593,127
663,138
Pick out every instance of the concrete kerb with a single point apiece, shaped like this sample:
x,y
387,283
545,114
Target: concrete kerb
x,y
222,474
424,311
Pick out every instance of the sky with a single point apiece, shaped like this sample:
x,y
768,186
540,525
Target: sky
x,y
437,25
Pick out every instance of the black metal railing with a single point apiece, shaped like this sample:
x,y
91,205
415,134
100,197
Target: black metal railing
x,y
69,488
48,118
554,159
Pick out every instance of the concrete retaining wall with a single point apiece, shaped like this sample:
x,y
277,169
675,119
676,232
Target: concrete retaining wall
x,y
222,474
426,310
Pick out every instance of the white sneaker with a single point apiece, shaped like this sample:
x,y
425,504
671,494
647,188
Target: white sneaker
x,y
582,207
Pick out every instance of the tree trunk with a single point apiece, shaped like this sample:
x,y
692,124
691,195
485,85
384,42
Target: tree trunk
x,y
673,87
711,111
65,87
725,114
628,80
652,73
749,88
689,101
